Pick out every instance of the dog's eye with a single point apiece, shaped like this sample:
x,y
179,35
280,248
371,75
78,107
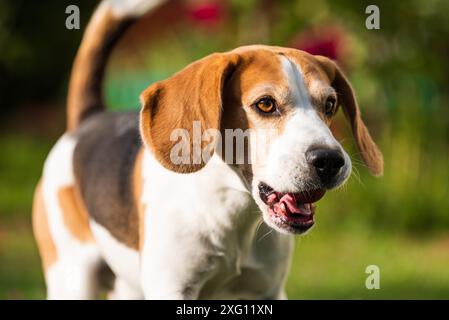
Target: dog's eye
x,y
266,105
329,106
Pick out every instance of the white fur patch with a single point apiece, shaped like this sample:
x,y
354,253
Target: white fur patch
x,y
72,275
204,224
296,83
123,260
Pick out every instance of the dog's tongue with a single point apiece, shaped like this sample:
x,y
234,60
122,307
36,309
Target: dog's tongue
x,y
288,205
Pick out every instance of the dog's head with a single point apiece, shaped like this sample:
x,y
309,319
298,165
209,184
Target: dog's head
x,y
280,101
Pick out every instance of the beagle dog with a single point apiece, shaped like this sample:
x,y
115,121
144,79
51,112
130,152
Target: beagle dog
x,y
111,194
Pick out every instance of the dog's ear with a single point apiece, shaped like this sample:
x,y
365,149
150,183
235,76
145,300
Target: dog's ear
x,y
369,151
172,108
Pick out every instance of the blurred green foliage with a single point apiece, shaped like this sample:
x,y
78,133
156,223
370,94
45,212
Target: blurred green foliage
x,y
36,50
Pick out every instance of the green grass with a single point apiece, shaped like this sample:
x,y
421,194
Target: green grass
x,y
20,269
20,168
331,265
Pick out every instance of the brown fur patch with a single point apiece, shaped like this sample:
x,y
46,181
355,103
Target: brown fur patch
x,y
75,215
41,229
85,88
193,94
138,186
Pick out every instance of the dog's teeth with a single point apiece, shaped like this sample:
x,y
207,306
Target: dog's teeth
x,y
307,208
283,208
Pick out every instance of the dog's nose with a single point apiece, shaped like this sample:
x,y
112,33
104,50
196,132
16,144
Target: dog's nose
x,y
327,162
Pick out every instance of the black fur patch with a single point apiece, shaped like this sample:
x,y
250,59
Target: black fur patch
x,y
104,159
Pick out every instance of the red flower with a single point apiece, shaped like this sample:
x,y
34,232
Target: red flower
x,y
206,13
328,41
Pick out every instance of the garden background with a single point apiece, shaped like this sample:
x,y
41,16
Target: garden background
x,y
399,222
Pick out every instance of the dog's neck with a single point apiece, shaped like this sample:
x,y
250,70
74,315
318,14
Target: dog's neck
x,y
216,197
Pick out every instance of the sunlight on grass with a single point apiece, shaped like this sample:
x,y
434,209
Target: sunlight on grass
x,y
20,269
331,265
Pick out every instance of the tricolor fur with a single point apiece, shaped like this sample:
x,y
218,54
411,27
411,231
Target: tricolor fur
x,y
110,198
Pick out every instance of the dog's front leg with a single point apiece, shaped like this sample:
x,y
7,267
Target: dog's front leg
x,y
170,280
174,269
163,288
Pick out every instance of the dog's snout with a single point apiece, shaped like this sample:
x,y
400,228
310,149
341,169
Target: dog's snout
x,y
326,162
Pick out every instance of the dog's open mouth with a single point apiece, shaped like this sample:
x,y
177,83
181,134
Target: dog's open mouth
x,y
291,211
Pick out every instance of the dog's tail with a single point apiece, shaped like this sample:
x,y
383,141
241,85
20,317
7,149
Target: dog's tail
x,y
110,20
